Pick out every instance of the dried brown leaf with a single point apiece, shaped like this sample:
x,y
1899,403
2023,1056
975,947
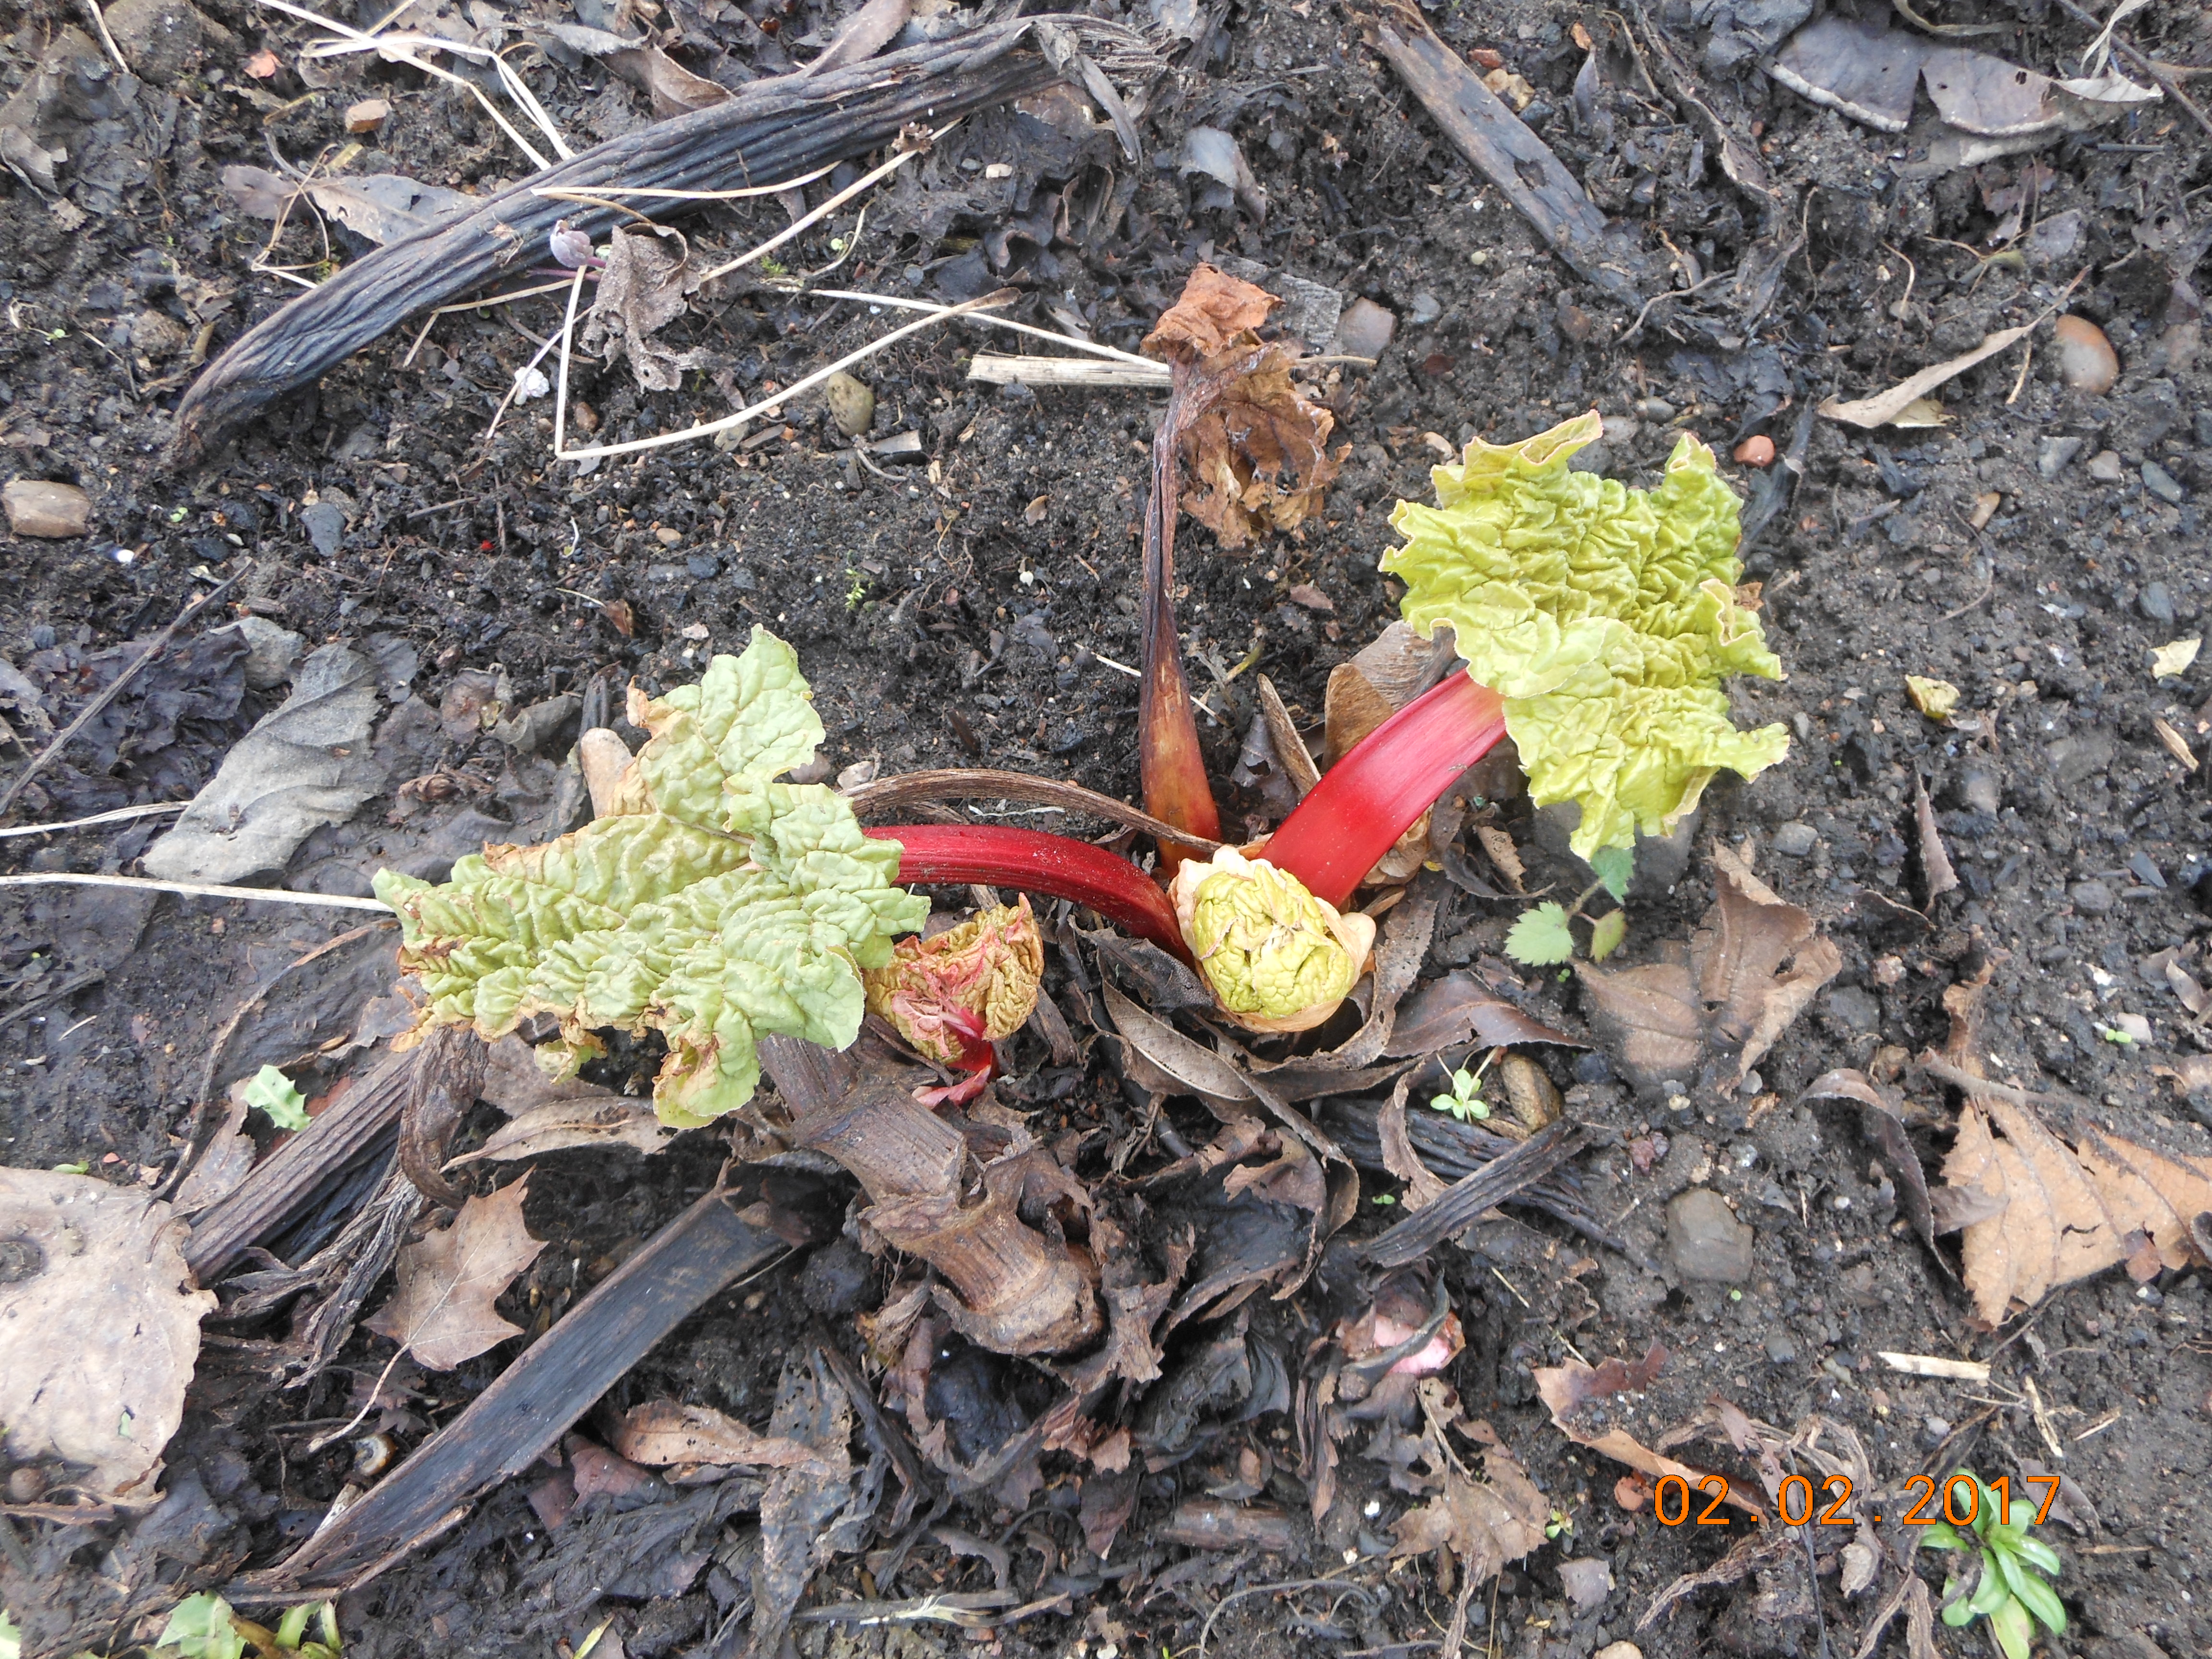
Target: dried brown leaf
x,y
1214,311
1457,1006
100,1325
1352,708
1558,1387
1197,1069
2039,1214
1256,458
1399,1157
1935,862
1487,1524
1752,966
663,1432
643,288
441,1311
1884,407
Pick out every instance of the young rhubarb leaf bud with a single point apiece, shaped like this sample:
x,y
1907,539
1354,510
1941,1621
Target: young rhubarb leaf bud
x,y
1276,958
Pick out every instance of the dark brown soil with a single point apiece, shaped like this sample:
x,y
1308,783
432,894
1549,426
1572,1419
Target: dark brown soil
x,y
967,610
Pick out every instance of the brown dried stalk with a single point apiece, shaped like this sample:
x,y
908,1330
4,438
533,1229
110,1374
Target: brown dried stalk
x,y
1014,1290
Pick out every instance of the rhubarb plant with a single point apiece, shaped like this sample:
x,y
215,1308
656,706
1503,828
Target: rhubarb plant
x,y
1606,619
715,903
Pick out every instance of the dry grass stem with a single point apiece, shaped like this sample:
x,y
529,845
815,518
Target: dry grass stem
x,y
193,889
708,428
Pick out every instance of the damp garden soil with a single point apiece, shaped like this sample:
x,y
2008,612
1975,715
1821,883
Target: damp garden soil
x,y
968,608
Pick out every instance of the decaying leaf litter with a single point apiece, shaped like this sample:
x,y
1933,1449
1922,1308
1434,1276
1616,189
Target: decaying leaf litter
x,y
2055,612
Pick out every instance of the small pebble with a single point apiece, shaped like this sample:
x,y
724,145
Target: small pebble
x,y
1979,790
2104,466
1795,840
2156,602
1425,309
2091,898
2162,483
367,115
2086,359
1781,1347
1706,1239
852,405
2054,455
1619,1650
38,507
1365,329
1757,451
1658,409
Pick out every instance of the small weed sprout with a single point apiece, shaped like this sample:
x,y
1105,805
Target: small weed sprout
x,y
856,588
1544,937
1465,1102
2011,1583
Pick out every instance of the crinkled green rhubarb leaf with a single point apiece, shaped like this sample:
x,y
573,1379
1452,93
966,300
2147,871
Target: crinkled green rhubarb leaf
x,y
1606,617
714,904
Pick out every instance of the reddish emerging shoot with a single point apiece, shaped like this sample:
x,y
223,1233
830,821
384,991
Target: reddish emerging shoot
x,y
1365,802
1032,861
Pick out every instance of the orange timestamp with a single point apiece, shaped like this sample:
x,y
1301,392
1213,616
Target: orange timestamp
x,y
1677,1504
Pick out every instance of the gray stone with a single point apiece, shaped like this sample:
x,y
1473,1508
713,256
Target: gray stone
x,y
1425,309
2156,602
703,566
741,578
2091,898
2080,756
1857,1007
1596,457
1781,1347
1655,409
270,651
2104,466
1365,329
1706,1239
1978,789
2054,455
1796,840
325,523
2203,422
2163,484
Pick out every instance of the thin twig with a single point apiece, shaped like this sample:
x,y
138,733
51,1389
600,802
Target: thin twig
x,y
1671,293
193,889
400,47
116,816
2148,66
897,303
900,156
706,429
91,711
100,22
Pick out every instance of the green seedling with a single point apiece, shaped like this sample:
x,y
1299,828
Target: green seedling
x,y
273,1093
2011,1583
204,1627
1465,1102
1545,937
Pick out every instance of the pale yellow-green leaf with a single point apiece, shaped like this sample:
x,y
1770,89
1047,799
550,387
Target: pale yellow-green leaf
x,y
716,905
1608,619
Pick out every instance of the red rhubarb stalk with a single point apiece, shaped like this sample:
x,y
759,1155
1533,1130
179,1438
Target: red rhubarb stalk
x,y
1033,862
1365,802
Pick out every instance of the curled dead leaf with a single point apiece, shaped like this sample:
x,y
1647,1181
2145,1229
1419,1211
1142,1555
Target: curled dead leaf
x,y
441,1311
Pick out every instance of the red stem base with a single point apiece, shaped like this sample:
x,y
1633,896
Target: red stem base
x,y
1365,802
1033,862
